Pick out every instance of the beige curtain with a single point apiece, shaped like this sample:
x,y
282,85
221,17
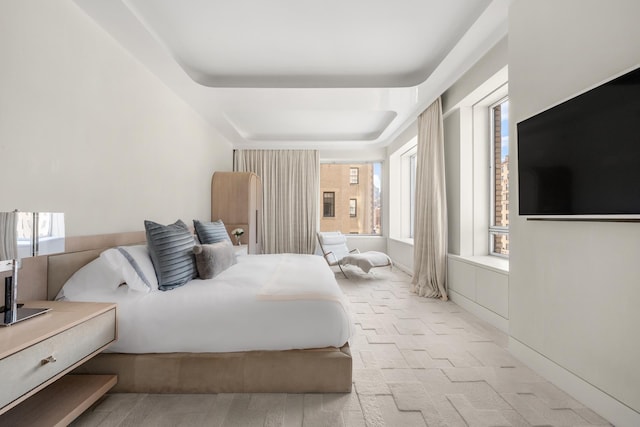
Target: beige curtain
x,y
430,228
291,183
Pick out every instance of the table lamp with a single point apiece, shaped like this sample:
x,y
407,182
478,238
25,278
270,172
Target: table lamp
x,y
22,235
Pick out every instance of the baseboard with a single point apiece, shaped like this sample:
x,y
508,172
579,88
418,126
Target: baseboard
x,y
483,313
606,406
402,267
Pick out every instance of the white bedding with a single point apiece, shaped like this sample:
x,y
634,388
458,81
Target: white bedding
x,y
264,302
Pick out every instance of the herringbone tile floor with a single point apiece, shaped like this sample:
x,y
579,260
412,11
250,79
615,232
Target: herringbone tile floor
x,y
416,362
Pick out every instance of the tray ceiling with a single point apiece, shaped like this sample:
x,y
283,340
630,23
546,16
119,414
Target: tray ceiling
x,y
292,74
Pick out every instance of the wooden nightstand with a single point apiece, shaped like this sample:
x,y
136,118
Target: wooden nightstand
x,y
36,354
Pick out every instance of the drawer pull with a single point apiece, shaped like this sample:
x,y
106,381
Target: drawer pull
x,y
49,359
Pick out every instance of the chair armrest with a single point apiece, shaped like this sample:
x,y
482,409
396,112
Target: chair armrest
x,y
326,257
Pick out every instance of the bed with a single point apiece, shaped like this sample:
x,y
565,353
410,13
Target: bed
x,y
270,323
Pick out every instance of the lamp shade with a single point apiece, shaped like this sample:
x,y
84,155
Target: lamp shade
x,y
27,234
8,235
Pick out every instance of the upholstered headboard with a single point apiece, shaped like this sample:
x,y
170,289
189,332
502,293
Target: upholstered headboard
x,y
81,251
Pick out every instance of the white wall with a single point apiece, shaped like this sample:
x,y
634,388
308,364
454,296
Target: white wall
x,y
494,60
85,129
574,287
453,165
477,282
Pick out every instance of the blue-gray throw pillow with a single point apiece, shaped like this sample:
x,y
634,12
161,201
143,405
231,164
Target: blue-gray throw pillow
x,y
171,251
211,232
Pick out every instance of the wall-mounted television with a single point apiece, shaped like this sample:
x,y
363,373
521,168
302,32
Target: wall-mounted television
x,y
581,158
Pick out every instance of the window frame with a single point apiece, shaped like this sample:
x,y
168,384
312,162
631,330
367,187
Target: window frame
x,y
413,167
493,229
401,198
352,175
469,124
408,168
333,204
353,210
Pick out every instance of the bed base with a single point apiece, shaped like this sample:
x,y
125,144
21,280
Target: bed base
x,y
327,370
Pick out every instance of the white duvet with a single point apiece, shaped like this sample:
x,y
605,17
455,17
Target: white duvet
x,y
264,302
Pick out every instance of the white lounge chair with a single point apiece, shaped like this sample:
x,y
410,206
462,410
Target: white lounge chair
x,y
333,245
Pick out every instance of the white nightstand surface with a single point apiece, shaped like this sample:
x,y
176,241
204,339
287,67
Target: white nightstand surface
x,y
240,250
36,355
64,315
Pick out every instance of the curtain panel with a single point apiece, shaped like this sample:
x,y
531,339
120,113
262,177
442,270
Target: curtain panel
x,y
291,185
430,221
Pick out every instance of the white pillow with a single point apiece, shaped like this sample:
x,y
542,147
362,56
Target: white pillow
x,y
134,265
333,239
97,275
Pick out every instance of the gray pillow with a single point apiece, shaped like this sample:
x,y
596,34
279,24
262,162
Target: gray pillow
x,y
171,251
213,259
211,232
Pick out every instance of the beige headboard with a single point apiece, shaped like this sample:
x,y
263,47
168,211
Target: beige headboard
x,y
81,251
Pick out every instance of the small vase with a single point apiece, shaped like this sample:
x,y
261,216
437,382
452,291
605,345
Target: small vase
x,y
238,240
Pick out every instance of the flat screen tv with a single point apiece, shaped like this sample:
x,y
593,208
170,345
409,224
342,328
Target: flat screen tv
x,y
581,158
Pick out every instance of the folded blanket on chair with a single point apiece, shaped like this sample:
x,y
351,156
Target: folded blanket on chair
x,y
367,260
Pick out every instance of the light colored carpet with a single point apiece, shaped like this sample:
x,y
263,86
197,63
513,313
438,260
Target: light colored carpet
x,y
416,362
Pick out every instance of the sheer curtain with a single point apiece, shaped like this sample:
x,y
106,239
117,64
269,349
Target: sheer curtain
x,y
430,228
291,185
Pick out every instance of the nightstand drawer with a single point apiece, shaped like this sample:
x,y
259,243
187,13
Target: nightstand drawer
x,y
29,368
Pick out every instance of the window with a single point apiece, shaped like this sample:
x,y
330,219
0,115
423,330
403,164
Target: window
x,y
354,175
499,223
472,148
413,160
329,204
402,182
353,208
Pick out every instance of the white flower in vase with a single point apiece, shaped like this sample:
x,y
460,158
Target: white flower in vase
x,y
238,232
